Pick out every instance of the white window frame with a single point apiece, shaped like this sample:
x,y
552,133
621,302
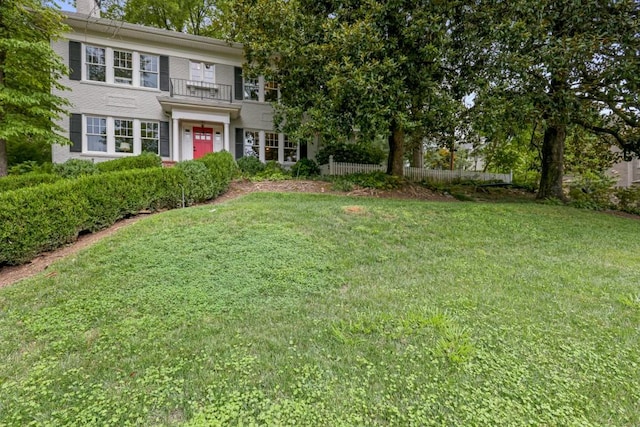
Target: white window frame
x,y
145,137
87,64
116,58
136,70
111,137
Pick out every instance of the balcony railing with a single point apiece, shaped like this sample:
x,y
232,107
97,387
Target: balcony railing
x,y
201,90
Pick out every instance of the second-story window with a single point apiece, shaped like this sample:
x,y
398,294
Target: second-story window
x,y
148,71
251,89
203,72
122,67
96,59
271,92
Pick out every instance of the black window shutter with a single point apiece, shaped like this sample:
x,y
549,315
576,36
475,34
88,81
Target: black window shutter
x,y
239,143
237,83
75,132
303,150
164,73
164,139
75,60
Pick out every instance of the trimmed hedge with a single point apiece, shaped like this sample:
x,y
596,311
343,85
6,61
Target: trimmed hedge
x,y
351,153
222,167
45,217
142,161
16,182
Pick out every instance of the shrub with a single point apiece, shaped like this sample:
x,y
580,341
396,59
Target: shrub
x,y
250,165
273,171
351,153
591,191
142,161
305,168
31,166
628,199
47,216
15,182
200,185
222,167
74,168
37,219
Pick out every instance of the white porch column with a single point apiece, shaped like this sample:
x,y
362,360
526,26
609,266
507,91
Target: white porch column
x,y
227,147
176,140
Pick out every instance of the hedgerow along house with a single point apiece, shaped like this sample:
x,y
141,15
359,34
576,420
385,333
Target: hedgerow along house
x,y
135,88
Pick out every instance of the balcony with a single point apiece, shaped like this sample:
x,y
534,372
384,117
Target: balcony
x,y
201,90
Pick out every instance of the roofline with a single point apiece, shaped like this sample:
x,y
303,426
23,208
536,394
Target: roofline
x,y
81,21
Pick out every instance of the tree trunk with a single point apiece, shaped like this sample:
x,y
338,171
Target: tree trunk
x,y
417,156
395,162
552,163
3,158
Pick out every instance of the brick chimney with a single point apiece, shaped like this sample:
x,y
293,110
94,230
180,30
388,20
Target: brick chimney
x,y
88,7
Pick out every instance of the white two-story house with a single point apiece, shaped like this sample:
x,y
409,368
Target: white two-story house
x,y
135,88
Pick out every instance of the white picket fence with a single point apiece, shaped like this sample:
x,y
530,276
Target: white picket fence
x,y
415,174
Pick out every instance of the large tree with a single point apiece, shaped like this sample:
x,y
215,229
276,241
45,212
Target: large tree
x,y
29,70
367,67
566,62
199,17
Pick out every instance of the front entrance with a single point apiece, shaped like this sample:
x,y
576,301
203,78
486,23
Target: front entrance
x,y
202,141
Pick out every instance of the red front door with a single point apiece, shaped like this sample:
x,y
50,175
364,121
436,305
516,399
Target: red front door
x,y
202,141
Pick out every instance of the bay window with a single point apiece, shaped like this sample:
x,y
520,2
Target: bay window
x,y
290,150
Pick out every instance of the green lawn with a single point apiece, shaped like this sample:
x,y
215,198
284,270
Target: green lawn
x,y
283,309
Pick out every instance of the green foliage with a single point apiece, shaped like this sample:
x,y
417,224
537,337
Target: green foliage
x,y
628,199
305,168
351,153
141,161
74,168
21,151
375,180
200,185
15,182
47,216
40,218
273,171
222,167
250,165
29,75
31,166
591,191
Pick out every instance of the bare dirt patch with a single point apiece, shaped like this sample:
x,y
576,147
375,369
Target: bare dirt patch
x,y
12,274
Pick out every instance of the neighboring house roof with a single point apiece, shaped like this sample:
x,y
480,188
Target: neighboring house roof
x,y
81,22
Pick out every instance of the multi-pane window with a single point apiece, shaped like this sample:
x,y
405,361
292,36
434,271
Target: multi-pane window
x,y
252,143
123,131
251,89
290,150
270,146
149,136
122,67
149,71
271,92
95,59
96,134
